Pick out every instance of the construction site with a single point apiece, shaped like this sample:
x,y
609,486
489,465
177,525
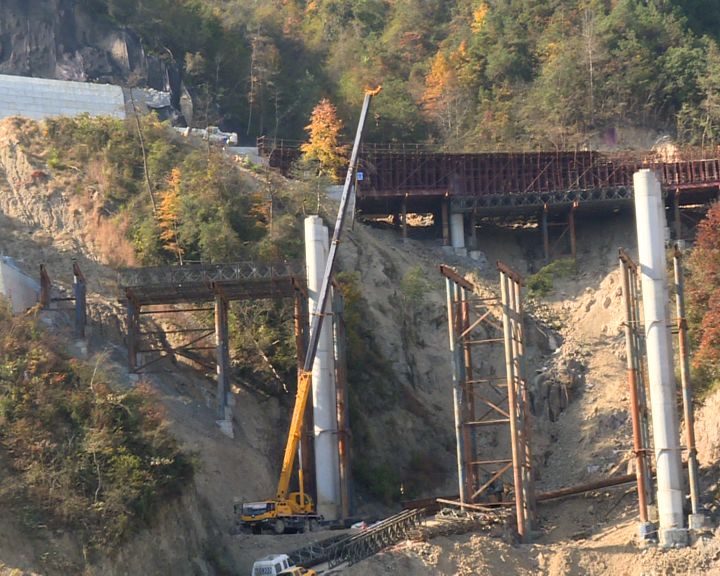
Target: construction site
x,y
553,434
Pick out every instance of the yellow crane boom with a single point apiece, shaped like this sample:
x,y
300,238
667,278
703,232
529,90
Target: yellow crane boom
x,y
305,374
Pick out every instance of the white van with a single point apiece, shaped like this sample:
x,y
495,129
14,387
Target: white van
x,y
272,565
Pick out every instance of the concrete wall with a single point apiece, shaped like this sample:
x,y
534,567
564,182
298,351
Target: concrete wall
x,y
22,290
39,98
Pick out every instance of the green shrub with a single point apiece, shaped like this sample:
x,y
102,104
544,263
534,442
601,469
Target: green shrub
x,y
83,454
542,283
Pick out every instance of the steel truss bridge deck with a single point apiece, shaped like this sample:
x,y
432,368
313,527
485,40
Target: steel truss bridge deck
x,y
203,282
350,549
491,182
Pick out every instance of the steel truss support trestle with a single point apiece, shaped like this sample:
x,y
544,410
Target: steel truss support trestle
x,y
484,400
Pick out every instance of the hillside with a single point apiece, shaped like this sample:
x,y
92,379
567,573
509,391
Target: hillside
x,y
399,382
461,74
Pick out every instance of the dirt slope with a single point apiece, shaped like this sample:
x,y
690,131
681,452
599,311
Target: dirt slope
x,y
587,437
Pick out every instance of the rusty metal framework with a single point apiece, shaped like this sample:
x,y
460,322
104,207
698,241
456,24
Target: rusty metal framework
x,y
200,282
483,400
635,345
79,297
202,288
491,182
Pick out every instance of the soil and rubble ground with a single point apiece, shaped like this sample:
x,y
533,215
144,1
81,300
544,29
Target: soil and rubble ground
x,y
577,373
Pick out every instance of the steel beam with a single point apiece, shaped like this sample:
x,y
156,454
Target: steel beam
x,y
696,518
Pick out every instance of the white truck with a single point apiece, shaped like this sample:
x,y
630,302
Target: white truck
x,y
279,565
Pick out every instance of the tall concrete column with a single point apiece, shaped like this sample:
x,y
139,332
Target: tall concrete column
x,y
650,218
327,461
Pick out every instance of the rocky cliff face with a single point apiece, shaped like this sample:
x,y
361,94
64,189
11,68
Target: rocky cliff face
x,y
60,39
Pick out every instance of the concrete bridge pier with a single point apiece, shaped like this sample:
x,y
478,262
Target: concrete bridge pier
x,y
457,233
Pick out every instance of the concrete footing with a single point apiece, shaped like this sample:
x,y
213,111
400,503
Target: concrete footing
x,y
647,533
673,537
226,427
699,523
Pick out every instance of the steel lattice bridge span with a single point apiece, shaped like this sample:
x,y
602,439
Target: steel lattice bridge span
x,y
397,179
207,288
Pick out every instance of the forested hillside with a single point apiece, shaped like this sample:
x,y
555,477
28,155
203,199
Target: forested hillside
x,y
462,74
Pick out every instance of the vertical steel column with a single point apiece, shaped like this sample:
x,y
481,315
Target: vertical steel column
x,y
545,234
696,518
468,408
676,215
641,471
641,377
457,376
523,400
133,320
222,357
517,454
45,287
341,393
403,209
571,225
445,216
80,293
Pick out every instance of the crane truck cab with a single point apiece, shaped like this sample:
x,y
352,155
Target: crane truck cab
x,y
279,565
296,513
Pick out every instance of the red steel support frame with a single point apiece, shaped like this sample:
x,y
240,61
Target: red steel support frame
x,y
636,383
687,395
496,404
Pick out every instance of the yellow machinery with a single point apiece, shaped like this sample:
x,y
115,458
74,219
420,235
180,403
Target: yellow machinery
x,y
296,510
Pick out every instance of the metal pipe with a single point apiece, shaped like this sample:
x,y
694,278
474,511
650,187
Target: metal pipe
x,y
650,217
571,225
342,408
634,405
641,375
512,408
686,383
470,434
545,234
222,357
80,293
457,378
526,432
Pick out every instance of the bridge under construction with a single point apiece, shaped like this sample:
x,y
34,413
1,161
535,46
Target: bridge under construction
x,y
549,187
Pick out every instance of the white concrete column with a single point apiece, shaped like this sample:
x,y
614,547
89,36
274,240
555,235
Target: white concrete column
x,y
327,460
457,230
650,218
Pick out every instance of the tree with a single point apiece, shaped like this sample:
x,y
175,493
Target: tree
x,y
704,296
323,146
169,215
445,99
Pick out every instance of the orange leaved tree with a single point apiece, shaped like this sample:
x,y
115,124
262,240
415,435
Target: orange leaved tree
x,y
168,215
323,147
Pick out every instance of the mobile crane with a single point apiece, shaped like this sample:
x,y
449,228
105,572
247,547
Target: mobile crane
x,y
296,510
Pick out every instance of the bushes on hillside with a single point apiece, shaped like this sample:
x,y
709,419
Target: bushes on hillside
x,y
703,288
84,453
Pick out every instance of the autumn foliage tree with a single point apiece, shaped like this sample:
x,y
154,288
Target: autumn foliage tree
x,y
169,215
704,296
445,99
323,147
